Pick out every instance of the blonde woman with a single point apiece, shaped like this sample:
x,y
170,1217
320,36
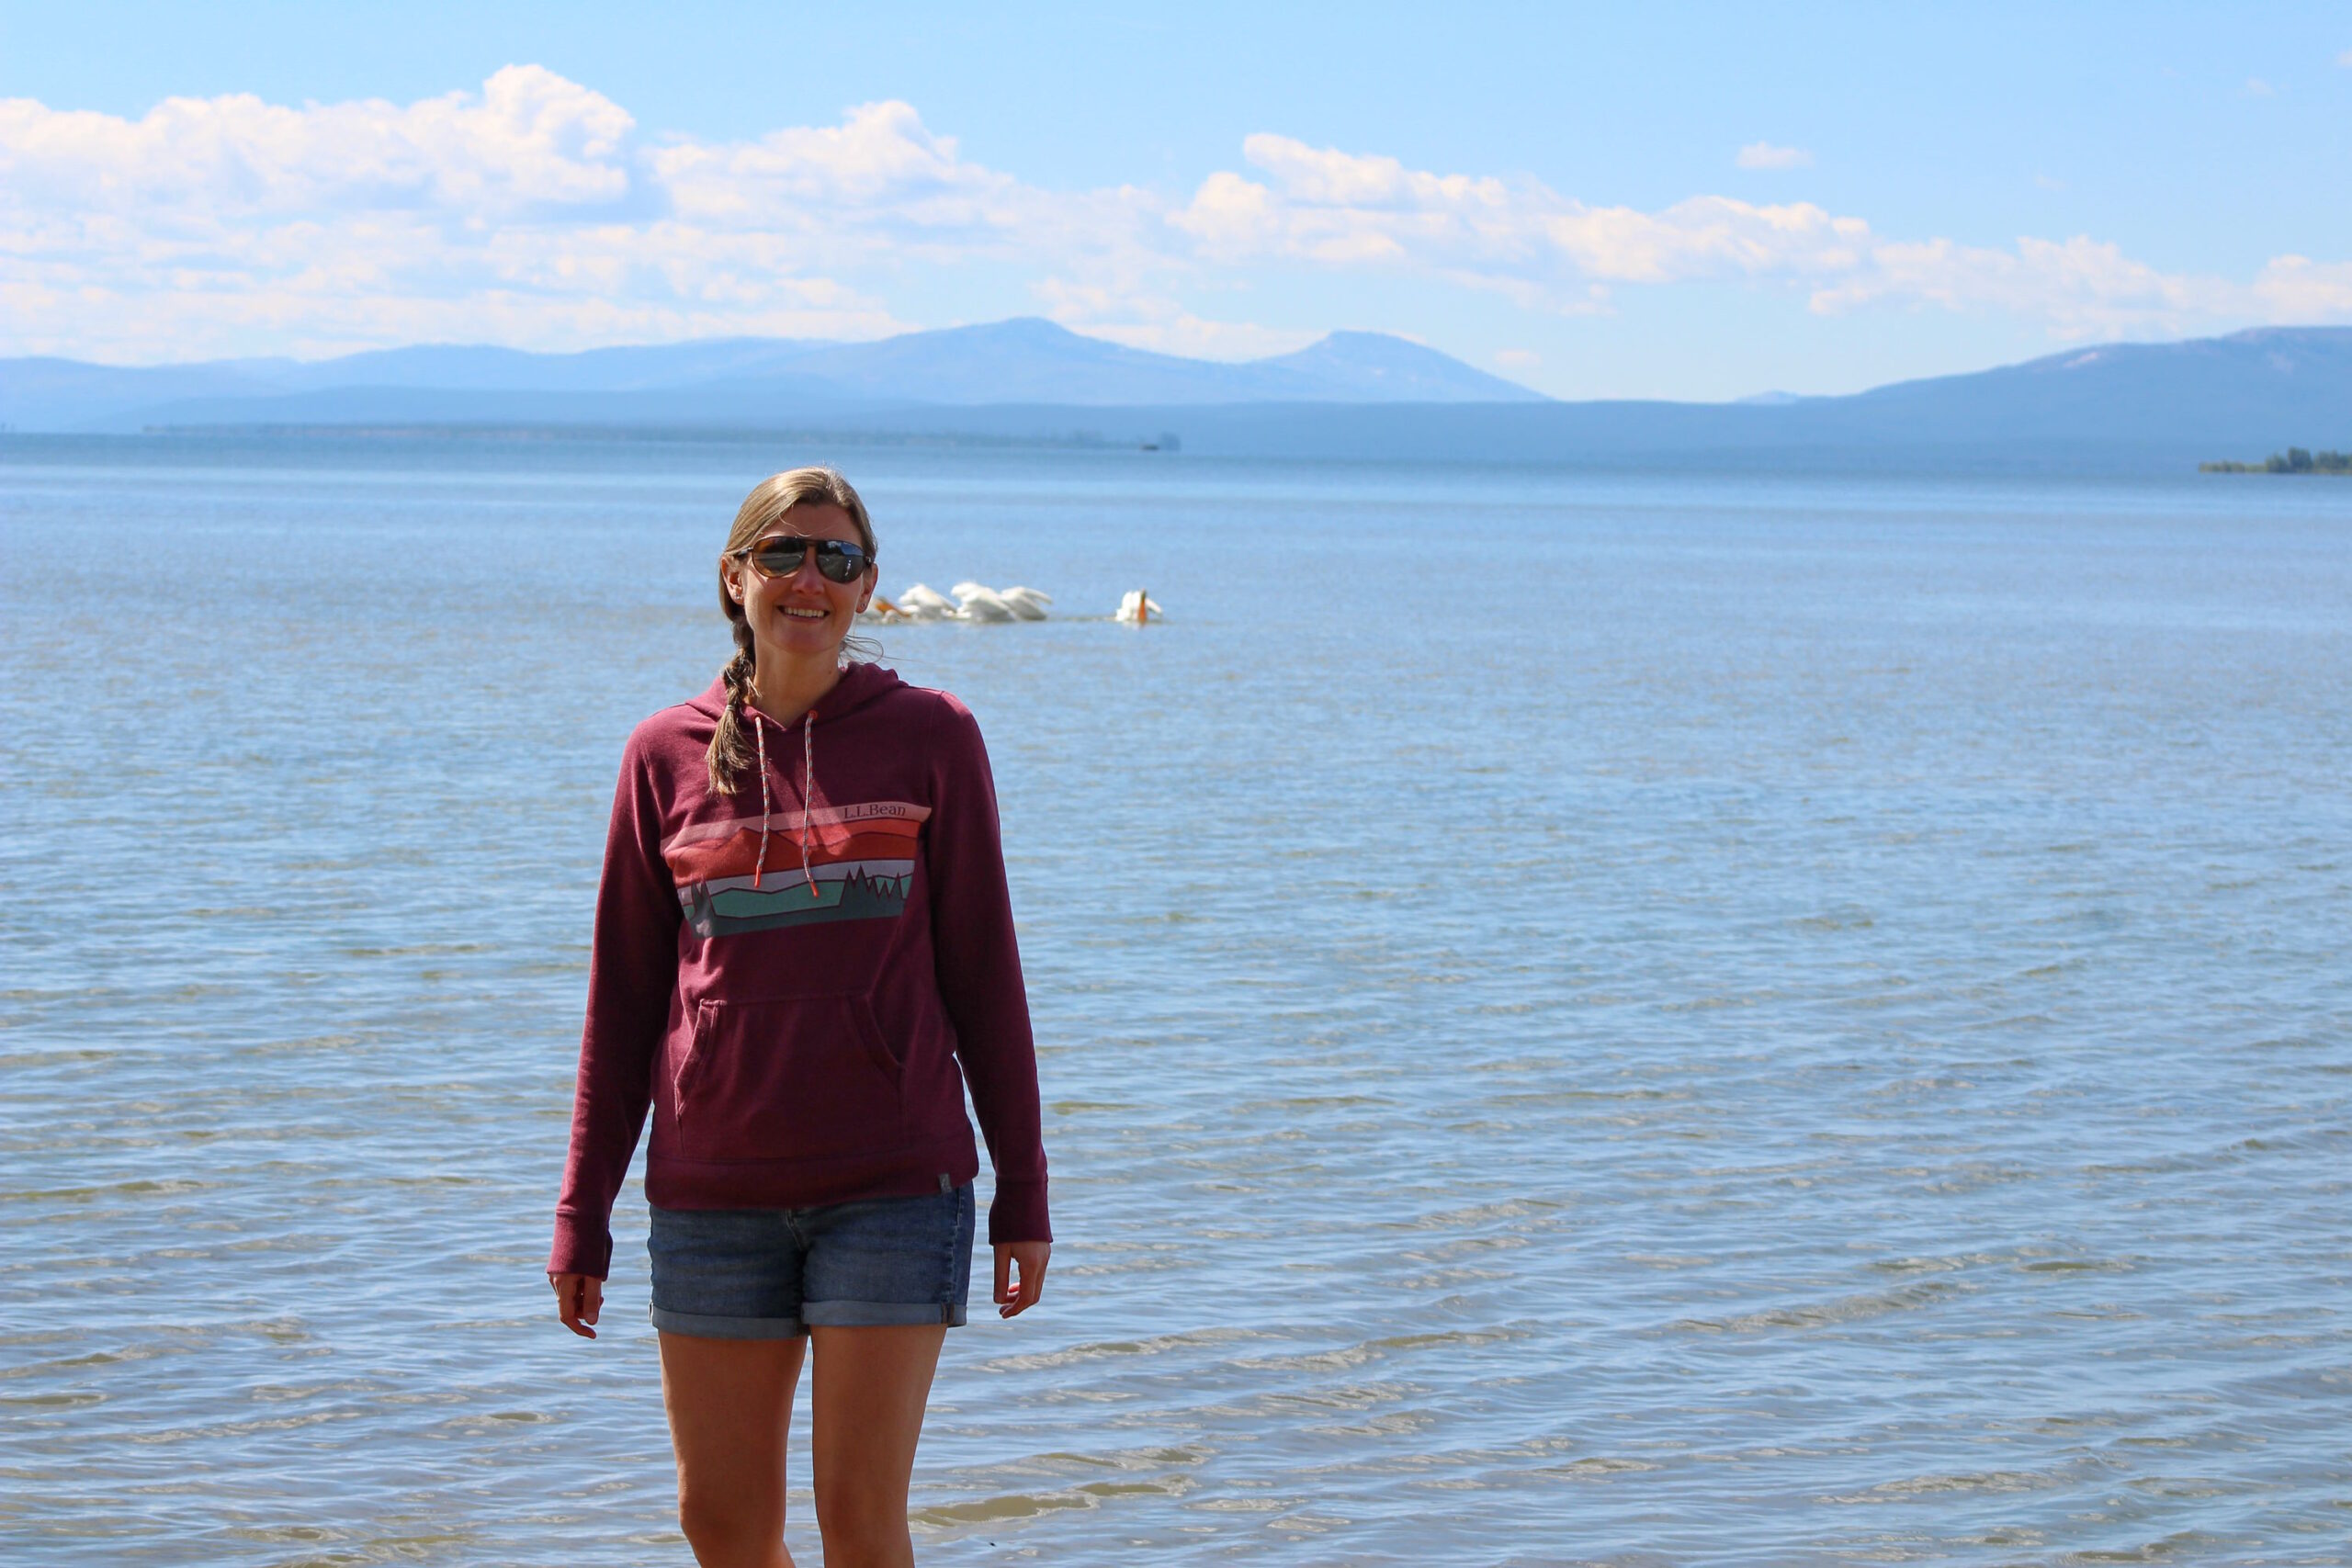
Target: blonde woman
x,y
804,954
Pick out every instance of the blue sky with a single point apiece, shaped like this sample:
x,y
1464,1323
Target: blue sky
x,y
1696,201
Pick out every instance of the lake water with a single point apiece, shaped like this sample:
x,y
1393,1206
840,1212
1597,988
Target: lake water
x,y
1631,1018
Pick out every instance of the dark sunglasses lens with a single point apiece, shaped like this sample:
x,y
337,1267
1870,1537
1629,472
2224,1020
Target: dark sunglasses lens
x,y
842,563
781,557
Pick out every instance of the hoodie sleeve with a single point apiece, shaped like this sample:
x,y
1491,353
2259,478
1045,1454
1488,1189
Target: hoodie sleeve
x,y
632,970
979,975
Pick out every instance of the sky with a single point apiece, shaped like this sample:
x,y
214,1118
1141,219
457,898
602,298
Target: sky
x,y
1680,201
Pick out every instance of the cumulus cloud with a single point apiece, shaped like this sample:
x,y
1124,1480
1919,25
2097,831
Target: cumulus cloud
x,y
1518,237
537,212
532,212
1764,155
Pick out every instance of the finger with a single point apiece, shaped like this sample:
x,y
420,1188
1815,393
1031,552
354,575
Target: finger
x,y
1033,1279
568,1303
1003,1274
1033,1284
591,1300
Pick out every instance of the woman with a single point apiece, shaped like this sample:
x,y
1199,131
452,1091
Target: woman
x,y
801,932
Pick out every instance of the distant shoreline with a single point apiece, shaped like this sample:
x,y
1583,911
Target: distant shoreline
x,y
1075,440
2293,460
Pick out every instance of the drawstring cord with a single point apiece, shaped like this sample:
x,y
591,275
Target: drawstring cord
x,y
807,795
807,792
759,730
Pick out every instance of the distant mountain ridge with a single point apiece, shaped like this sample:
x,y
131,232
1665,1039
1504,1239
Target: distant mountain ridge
x,y
1025,360
1353,396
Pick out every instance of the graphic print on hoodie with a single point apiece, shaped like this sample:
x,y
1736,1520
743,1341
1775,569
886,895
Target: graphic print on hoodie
x,y
856,864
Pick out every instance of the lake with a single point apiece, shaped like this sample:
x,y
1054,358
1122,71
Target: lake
x,y
1629,1018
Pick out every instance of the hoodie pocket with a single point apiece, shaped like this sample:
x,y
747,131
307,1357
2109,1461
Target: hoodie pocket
x,y
796,1077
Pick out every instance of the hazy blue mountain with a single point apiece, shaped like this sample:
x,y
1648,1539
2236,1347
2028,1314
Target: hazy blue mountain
x,y
1029,360
768,403
2275,384
2145,407
67,394
484,369
1374,367
1022,361
2142,405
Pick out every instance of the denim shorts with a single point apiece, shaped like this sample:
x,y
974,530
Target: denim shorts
x,y
771,1273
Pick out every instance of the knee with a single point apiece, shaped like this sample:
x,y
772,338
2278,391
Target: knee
x,y
726,1531
863,1527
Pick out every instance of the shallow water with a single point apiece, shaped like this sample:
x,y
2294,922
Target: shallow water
x,y
1628,1019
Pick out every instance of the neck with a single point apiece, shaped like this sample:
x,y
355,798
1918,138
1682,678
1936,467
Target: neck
x,y
785,687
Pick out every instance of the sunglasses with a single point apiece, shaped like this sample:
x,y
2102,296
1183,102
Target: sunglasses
x,y
780,555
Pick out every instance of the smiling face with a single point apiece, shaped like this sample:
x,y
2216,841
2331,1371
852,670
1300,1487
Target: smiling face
x,y
801,617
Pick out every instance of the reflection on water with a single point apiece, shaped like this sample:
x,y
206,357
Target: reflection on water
x,y
1635,1020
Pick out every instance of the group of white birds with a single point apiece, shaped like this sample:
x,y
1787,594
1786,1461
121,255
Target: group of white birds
x,y
971,603
974,602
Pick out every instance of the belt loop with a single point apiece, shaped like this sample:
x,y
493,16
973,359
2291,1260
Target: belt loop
x,y
946,1185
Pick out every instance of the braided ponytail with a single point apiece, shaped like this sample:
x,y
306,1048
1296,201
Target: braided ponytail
x,y
729,755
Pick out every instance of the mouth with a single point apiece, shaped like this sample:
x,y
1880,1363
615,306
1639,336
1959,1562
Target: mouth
x,y
796,612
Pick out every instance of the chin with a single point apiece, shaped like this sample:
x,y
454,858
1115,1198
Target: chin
x,y
808,641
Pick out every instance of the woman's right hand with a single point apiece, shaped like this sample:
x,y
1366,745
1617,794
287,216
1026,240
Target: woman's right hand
x,y
578,1299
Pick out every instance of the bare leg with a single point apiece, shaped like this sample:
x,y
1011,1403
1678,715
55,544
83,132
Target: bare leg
x,y
870,1388
730,1408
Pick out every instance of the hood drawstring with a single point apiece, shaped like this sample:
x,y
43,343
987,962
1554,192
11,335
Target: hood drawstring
x,y
807,793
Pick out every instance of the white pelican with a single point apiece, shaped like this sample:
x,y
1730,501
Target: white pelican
x,y
922,604
975,603
1027,602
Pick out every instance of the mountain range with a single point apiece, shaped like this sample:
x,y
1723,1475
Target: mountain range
x,y
729,380
1352,395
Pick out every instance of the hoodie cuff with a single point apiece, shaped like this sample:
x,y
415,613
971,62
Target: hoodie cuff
x,y
584,1248
1018,1211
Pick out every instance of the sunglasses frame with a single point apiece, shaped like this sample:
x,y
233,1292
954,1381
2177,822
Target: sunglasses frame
x,y
826,550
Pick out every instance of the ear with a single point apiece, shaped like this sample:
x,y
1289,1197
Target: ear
x,y
865,597
731,572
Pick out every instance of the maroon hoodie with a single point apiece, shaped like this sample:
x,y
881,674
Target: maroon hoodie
x,y
790,975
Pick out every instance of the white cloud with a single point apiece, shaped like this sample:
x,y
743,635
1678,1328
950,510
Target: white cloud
x,y
2260,88
1519,359
536,212
2345,60
2078,287
1521,238
1518,238
532,213
2296,288
1764,155
529,140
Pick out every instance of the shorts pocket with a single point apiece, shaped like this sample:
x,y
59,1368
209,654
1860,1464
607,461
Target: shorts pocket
x,y
791,1078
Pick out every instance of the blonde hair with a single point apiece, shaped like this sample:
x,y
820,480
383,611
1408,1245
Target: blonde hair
x,y
761,511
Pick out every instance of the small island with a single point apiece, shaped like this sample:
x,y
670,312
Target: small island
x,y
2293,460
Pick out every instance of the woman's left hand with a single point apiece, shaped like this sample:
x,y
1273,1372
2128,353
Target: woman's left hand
x,y
1011,1299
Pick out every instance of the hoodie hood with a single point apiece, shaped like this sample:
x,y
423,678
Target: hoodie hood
x,y
859,684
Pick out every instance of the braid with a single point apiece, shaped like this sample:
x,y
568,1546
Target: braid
x,y
728,756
